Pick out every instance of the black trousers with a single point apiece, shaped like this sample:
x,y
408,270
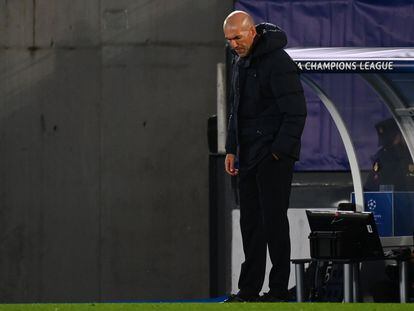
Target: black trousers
x,y
264,201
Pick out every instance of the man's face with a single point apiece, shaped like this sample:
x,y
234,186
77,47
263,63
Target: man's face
x,y
240,40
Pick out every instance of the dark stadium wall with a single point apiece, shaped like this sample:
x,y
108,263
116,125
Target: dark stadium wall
x,y
103,151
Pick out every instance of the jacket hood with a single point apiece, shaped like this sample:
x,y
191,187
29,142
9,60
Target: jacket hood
x,y
270,38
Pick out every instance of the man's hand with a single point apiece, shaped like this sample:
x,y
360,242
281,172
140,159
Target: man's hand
x,y
229,164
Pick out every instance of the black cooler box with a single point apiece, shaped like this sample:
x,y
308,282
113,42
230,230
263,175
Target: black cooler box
x,y
333,245
343,235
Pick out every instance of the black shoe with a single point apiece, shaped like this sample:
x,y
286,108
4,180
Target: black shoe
x,y
269,297
239,298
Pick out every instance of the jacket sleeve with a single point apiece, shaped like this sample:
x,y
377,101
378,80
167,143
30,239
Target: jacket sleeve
x,y
288,91
231,142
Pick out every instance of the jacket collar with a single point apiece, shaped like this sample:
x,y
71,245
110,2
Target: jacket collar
x,y
269,38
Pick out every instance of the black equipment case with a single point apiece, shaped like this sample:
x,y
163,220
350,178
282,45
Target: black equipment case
x,y
333,245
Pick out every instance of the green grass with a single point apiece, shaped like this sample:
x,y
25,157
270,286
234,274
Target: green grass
x,y
208,307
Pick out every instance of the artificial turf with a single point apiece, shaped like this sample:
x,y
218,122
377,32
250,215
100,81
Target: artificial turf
x,y
209,306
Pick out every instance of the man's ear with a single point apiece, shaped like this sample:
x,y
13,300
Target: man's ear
x,y
253,30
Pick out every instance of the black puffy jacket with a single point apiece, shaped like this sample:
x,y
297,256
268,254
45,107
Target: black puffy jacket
x,y
268,108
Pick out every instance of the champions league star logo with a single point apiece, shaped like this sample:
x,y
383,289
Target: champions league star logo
x,y
371,205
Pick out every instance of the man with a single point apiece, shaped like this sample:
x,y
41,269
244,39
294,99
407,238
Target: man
x,y
392,163
266,123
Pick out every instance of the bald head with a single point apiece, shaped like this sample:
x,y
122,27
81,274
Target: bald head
x,y
238,19
240,31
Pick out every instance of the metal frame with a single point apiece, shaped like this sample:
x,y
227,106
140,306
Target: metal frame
x,y
346,139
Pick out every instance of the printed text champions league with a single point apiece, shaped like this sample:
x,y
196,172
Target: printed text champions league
x,y
345,65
